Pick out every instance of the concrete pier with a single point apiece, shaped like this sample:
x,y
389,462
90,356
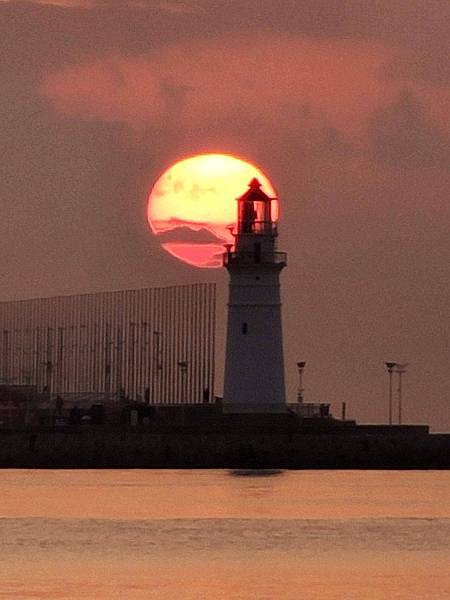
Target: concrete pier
x,y
362,447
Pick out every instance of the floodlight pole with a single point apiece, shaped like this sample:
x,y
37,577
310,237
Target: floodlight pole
x,y
156,367
390,367
400,369
300,366
183,366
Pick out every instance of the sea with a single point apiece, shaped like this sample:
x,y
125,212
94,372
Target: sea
x,y
200,534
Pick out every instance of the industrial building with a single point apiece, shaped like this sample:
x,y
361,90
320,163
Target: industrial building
x,y
153,345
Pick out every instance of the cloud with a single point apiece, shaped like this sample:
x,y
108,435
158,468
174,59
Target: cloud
x,y
422,65
310,100
55,3
186,86
186,235
402,133
172,7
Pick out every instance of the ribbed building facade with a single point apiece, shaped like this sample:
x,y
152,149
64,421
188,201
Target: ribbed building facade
x,y
153,344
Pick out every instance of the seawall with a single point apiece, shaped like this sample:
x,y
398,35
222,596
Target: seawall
x,y
119,448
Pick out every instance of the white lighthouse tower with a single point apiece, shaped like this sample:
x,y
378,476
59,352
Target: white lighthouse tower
x,y
254,367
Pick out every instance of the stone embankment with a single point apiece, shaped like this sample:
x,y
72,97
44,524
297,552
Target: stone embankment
x,y
105,447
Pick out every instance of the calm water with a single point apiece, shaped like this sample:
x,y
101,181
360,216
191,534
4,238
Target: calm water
x,y
132,535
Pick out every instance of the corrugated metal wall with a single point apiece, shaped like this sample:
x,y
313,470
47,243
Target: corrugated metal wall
x,y
151,344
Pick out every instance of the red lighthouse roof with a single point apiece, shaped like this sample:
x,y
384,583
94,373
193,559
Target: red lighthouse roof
x,y
254,193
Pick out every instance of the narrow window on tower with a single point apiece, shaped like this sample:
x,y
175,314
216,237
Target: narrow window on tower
x,y
257,252
244,328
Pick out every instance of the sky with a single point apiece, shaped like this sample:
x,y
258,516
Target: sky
x,y
344,105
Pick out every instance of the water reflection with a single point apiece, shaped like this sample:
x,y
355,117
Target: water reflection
x,y
228,535
255,472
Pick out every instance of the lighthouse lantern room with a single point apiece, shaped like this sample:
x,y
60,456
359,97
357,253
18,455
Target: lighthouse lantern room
x,y
254,367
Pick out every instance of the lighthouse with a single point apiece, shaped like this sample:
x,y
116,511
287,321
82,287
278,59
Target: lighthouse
x,y
254,366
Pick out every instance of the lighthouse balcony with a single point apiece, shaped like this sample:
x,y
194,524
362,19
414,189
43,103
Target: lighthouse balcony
x,y
255,258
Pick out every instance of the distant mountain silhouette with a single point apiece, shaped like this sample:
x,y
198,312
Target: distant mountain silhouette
x,y
186,235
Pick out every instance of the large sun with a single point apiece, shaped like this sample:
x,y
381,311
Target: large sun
x,y
193,204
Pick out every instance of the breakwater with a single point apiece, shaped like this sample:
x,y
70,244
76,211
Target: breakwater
x,y
104,447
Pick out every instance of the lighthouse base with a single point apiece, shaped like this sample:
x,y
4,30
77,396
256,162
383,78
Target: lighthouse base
x,y
253,408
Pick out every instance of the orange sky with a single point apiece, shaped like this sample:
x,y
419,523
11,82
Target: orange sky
x,y
343,80
344,104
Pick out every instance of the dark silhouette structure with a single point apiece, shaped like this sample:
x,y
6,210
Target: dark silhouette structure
x,y
155,344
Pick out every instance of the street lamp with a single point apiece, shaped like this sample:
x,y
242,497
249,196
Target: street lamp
x,y
400,369
183,366
157,366
390,367
300,367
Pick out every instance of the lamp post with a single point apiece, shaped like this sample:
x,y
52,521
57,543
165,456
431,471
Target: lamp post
x,y
157,366
183,366
390,367
400,369
300,366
